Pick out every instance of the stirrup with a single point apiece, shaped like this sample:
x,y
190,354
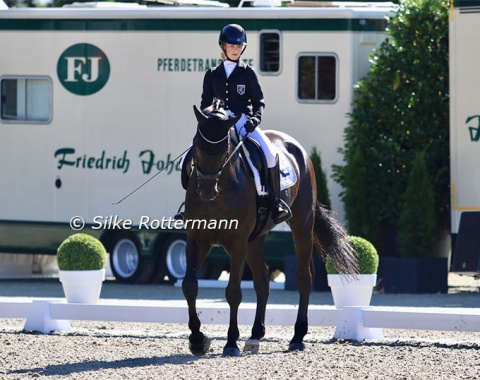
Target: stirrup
x,y
280,211
180,215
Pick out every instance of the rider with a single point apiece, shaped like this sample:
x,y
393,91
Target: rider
x,y
237,84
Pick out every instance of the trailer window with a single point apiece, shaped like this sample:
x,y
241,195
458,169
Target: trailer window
x,y
317,78
270,52
26,99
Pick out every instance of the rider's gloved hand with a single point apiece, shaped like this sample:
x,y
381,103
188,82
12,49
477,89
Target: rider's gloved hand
x,y
251,124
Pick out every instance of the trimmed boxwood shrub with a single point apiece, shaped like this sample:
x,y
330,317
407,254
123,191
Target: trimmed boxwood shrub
x,y
81,252
367,256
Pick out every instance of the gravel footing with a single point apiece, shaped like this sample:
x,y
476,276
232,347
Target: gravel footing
x,y
114,350
106,350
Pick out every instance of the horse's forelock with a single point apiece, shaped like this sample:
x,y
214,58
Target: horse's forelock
x,y
219,114
216,110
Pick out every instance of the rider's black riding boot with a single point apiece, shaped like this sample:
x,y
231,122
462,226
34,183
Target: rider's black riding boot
x,y
180,215
280,210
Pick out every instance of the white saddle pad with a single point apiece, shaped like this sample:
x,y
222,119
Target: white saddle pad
x,y
288,175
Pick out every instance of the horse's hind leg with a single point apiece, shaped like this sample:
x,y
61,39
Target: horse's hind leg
x,y
261,283
302,230
199,344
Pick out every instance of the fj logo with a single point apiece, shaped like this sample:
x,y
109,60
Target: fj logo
x,y
83,69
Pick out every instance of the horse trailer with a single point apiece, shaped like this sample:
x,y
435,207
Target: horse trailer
x,y
95,101
465,135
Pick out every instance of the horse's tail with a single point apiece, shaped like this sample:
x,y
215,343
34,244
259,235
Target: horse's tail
x,y
330,240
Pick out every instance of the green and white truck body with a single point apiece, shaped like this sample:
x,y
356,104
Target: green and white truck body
x,y
94,102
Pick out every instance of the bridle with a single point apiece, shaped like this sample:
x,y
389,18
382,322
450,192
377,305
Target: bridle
x,y
218,173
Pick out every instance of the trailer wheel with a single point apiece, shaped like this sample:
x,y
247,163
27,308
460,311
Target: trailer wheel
x,y
173,257
173,262
127,264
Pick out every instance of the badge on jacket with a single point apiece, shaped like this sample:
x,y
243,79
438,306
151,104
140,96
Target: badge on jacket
x,y
241,89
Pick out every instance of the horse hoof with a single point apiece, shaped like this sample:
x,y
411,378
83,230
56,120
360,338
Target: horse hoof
x,y
296,347
200,349
231,352
252,346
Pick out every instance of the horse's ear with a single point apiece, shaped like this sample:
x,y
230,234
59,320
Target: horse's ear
x,y
201,118
231,122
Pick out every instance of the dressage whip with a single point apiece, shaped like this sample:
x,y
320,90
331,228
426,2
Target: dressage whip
x,y
152,177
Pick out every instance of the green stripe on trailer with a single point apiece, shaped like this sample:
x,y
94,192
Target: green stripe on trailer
x,y
132,25
466,4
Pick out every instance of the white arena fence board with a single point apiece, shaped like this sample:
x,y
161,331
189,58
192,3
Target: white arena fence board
x,y
355,323
440,319
14,309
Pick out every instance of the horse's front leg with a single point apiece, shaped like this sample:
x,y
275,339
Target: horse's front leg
x,y
261,283
233,294
196,253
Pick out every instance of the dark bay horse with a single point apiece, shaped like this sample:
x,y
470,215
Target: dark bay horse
x,y
221,189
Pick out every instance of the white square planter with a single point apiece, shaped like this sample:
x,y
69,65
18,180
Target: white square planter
x,y
347,291
82,286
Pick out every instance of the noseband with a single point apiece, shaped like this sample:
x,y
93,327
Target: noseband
x,y
213,176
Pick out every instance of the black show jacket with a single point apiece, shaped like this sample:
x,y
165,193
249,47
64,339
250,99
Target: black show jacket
x,y
241,91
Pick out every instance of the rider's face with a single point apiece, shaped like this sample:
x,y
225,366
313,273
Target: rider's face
x,y
233,51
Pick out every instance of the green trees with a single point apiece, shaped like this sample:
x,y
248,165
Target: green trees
x,y
400,108
416,225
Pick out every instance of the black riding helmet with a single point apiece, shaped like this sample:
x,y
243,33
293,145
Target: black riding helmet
x,y
232,34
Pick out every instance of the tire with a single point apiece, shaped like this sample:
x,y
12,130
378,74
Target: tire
x,y
173,257
127,263
174,261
